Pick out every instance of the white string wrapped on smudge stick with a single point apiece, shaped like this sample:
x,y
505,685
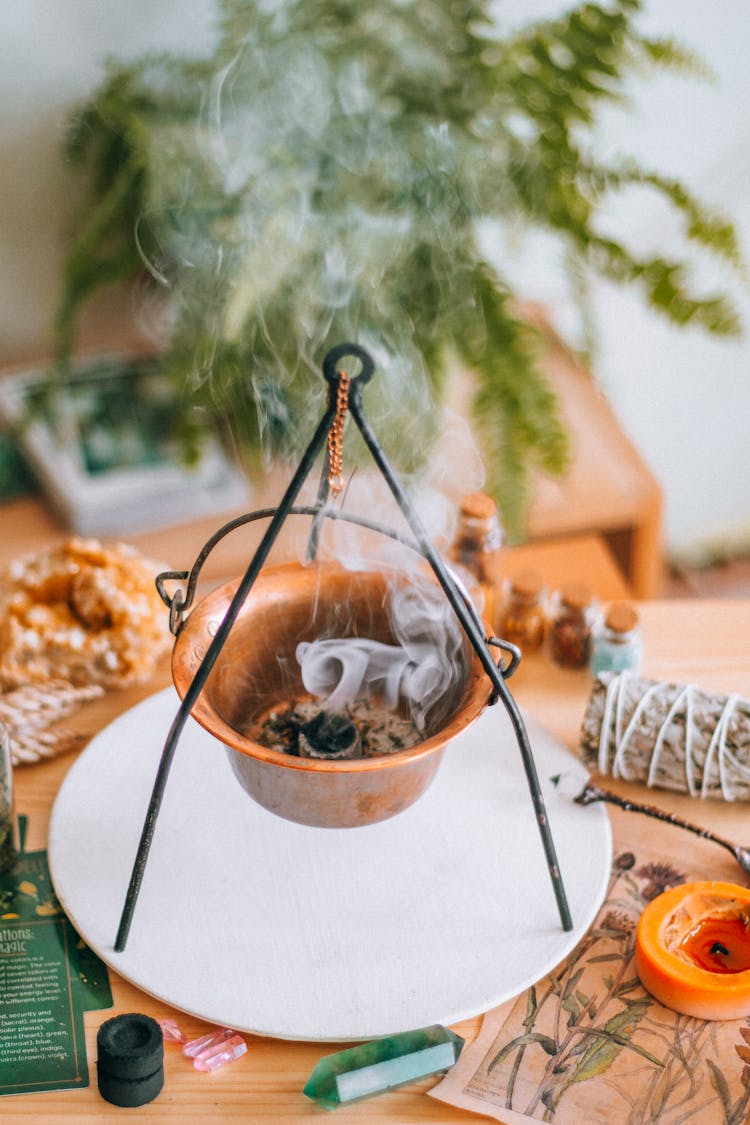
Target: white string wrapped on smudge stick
x,y
31,714
424,670
670,736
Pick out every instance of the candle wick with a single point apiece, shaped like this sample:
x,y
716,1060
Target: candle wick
x,y
717,947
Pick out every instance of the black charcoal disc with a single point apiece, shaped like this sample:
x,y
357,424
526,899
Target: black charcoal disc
x,y
130,1046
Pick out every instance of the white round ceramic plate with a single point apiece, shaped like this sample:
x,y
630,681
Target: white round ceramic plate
x,y
256,923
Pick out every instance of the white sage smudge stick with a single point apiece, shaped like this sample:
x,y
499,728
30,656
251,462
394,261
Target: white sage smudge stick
x,y
669,736
30,712
31,746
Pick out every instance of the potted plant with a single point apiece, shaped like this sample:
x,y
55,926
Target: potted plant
x,y
320,175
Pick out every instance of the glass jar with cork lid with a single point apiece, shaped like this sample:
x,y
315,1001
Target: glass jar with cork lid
x,y
616,643
570,626
8,825
476,549
523,618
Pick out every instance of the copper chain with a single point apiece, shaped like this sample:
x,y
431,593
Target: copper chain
x,y
336,436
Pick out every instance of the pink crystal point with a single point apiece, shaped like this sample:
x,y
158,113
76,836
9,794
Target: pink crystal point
x,y
195,1046
226,1051
171,1031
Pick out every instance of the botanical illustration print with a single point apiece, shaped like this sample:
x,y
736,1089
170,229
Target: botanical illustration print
x,y
587,1043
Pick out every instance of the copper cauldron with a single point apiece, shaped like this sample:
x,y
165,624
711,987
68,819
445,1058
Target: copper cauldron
x,y
257,669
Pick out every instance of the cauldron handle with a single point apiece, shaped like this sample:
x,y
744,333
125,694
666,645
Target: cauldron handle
x,y
182,600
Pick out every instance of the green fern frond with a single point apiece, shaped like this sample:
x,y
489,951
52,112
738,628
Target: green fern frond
x,y
668,54
708,228
714,231
319,176
665,286
514,403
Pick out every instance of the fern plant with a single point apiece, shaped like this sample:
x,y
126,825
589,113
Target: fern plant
x,y
320,176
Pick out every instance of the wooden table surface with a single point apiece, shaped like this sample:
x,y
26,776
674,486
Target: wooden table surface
x,y
698,641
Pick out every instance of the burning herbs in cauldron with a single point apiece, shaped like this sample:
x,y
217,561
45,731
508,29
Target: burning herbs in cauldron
x,y
365,698
362,729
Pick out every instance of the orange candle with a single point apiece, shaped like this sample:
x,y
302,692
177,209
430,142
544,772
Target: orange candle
x,y
693,950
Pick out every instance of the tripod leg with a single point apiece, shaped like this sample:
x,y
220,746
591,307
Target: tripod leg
x,y
317,524
204,670
477,640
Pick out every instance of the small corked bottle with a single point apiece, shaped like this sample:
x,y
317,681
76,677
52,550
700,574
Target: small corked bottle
x,y
616,643
570,626
8,824
523,618
476,549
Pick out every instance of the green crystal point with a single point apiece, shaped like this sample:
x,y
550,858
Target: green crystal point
x,y
371,1068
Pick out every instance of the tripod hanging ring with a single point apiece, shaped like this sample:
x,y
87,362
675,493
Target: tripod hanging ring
x,y
332,364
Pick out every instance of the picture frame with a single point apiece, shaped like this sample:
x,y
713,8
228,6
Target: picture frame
x,y
102,447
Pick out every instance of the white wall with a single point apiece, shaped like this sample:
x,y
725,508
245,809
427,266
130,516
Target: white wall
x,y
51,56
682,396
685,399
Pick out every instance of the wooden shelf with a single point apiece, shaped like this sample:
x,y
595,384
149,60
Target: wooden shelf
x,y
608,488
571,558
29,526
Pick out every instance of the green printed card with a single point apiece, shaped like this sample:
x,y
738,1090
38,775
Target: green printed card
x,y
48,978
42,1045
27,892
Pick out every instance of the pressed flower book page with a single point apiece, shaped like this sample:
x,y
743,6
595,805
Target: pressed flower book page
x,y
587,1042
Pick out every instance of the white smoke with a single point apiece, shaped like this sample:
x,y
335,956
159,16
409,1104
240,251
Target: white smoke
x,y
421,671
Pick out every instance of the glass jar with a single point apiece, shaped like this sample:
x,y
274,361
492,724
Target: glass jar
x,y
8,836
523,617
570,626
616,642
476,550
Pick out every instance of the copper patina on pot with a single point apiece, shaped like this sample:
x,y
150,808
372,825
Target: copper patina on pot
x,y
257,669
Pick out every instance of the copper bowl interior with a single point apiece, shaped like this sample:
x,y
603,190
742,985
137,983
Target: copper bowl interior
x,y
257,667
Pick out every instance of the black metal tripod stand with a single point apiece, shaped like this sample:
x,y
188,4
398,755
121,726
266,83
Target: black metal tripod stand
x,y
469,621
